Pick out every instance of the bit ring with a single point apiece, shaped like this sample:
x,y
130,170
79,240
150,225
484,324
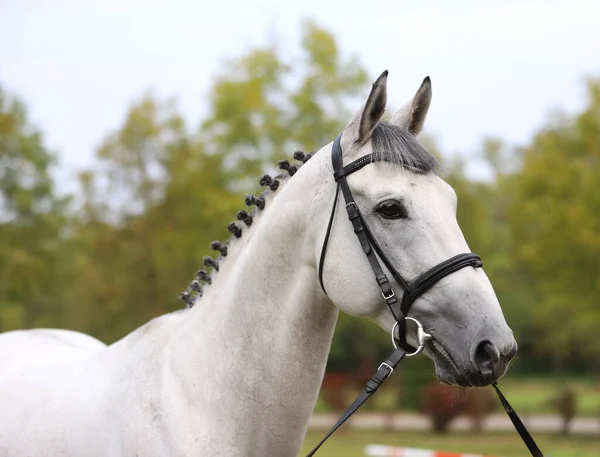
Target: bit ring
x,y
422,337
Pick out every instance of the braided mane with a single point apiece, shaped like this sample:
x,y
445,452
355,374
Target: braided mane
x,y
244,218
391,144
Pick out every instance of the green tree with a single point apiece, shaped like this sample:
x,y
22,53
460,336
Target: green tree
x,y
555,219
328,82
264,105
138,242
32,222
483,217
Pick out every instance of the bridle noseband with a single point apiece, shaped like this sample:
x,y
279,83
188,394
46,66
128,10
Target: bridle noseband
x,y
412,289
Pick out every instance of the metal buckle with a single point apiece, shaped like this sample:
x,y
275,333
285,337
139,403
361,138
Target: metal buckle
x,y
351,204
422,337
389,296
387,365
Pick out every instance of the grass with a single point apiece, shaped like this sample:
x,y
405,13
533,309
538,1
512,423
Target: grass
x,y
351,443
534,395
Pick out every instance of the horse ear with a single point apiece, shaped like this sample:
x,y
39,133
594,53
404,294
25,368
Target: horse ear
x,y
361,127
412,115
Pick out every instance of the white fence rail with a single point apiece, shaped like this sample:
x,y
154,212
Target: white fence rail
x,y
378,450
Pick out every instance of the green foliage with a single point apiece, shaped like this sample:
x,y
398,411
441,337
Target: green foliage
x,y
32,247
246,122
355,340
483,217
172,200
263,106
555,216
24,165
327,84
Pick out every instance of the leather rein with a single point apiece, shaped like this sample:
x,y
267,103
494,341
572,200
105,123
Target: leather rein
x,y
412,290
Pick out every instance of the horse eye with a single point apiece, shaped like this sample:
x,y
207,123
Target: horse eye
x,y
392,209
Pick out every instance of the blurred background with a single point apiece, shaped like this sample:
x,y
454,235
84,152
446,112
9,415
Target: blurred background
x,y
130,131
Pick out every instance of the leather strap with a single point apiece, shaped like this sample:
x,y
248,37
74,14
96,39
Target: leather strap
x,y
424,282
326,240
382,373
352,167
519,426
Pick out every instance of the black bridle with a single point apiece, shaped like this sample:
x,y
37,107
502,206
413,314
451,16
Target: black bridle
x,y
412,290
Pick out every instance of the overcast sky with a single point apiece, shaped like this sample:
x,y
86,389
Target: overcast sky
x,y
497,67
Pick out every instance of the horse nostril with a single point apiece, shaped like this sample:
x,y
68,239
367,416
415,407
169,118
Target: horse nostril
x,y
487,357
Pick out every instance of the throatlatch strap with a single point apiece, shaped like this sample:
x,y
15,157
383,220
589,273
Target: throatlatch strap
x,y
382,373
519,426
326,240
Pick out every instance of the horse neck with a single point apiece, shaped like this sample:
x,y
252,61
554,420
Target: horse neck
x,y
261,333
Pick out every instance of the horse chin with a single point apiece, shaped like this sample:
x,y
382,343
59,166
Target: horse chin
x,y
451,378
449,371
